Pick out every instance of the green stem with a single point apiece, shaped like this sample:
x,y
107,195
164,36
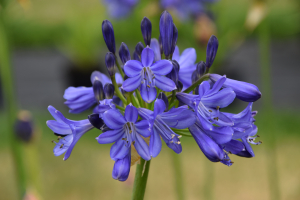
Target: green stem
x,y
135,102
129,100
182,132
120,108
119,67
179,186
118,92
138,94
140,181
173,98
10,106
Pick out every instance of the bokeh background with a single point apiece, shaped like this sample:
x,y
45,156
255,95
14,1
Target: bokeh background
x,y
56,44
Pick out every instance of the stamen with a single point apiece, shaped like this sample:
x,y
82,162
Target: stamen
x,y
218,107
61,146
210,110
171,141
173,135
178,142
180,136
148,86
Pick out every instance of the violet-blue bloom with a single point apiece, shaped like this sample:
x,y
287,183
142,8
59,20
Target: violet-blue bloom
x,y
244,91
146,75
79,99
161,122
209,141
69,130
120,8
122,168
187,65
208,102
125,130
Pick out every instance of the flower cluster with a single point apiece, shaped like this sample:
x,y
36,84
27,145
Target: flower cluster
x,y
153,99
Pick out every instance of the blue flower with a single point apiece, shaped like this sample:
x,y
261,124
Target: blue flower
x,y
210,141
122,168
244,91
147,75
187,65
120,8
69,131
208,102
161,122
125,130
186,8
79,99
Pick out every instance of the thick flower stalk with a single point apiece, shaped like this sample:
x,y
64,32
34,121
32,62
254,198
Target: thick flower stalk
x,y
161,100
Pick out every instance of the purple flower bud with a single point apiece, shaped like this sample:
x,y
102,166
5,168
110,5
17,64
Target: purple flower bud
x,y
174,74
146,28
179,86
98,90
110,62
211,51
135,56
96,121
124,53
23,126
122,168
139,48
175,36
195,76
109,90
166,32
163,97
108,35
244,91
160,44
201,68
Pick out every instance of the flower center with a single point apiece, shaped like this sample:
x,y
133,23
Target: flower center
x,y
130,131
148,77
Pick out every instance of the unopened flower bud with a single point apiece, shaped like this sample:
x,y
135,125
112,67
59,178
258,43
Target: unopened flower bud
x,y
124,53
154,45
160,45
108,35
146,28
110,62
201,68
166,27
211,51
135,56
175,36
179,86
163,97
96,121
24,126
109,90
195,76
139,48
98,90
174,74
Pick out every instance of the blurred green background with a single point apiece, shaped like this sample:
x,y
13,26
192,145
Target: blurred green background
x,y
40,32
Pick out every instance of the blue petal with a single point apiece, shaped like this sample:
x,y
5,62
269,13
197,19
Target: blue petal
x,y
114,119
248,147
59,127
133,68
222,99
209,147
131,84
161,67
220,135
62,145
217,86
188,58
148,94
52,111
131,113
78,132
110,136
244,91
145,113
118,78
101,77
187,99
122,168
156,49
159,107
155,144
176,54
119,149
141,147
142,128
147,57
234,146
164,83
179,117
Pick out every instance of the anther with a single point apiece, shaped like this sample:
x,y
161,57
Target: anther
x,y
130,131
171,141
124,139
218,107
173,135
210,110
148,86
133,142
178,142
180,136
53,141
231,162
61,146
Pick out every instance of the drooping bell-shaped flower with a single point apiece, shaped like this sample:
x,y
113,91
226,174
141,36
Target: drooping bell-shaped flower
x,y
109,36
244,91
146,75
122,168
161,122
69,132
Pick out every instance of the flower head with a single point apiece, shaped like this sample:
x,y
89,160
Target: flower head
x,y
146,75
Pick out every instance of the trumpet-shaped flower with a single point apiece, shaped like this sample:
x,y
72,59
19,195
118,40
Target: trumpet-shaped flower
x,y
69,132
161,122
146,75
125,131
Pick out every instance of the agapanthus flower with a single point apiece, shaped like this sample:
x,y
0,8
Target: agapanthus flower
x,y
120,8
146,75
208,102
161,123
79,99
125,131
69,132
